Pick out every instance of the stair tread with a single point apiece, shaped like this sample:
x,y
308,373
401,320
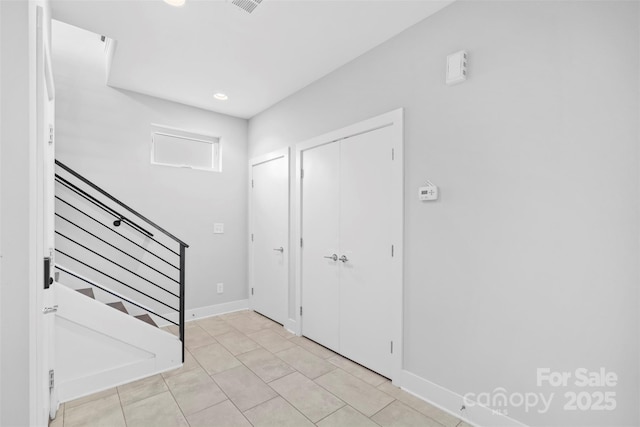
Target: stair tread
x,y
87,291
118,305
146,318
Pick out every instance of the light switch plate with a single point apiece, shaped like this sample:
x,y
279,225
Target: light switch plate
x,y
457,67
218,228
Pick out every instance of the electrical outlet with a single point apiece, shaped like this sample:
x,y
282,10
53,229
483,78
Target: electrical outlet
x,y
220,288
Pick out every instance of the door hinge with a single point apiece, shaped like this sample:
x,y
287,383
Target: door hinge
x,y
251,291
50,134
300,310
391,347
51,379
301,242
251,183
392,251
393,154
301,173
252,237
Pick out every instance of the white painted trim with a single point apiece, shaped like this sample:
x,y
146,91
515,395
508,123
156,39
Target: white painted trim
x,y
110,51
395,120
291,325
77,388
99,317
41,353
451,402
212,310
164,349
216,160
277,154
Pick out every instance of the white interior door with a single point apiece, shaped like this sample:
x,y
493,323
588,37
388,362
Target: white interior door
x,y
270,237
320,228
46,400
366,320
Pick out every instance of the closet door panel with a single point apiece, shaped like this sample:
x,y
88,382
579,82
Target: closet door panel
x,y
320,227
365,241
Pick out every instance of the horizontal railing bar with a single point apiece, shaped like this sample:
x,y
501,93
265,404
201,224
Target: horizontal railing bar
x,y
101,205
114,231
115,294
116,264
115,214
104,193
113,278
118,249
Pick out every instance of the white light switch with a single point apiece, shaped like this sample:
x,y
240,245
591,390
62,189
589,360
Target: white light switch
x,y
218,228
457,67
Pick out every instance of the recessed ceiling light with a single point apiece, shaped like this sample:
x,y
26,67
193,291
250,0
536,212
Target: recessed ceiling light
x,y
176,3
221,96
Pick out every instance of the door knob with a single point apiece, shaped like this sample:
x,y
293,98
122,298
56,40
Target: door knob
x,y
280,249
333,257
344,258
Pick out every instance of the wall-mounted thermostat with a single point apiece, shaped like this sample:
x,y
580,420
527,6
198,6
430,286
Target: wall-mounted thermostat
x,y
428,192
457,67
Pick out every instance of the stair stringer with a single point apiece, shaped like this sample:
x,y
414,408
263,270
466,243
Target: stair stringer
x,y
145,350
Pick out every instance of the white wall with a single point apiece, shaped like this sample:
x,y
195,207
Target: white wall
x,y
104,134
15,225
530,257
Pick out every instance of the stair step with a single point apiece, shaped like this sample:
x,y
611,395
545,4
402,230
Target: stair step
x,y
146,318
87,291
118,305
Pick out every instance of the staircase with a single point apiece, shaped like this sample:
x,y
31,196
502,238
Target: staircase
x,y
118,305
120,288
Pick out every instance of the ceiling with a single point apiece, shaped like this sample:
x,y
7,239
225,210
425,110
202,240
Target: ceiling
x,y
187,54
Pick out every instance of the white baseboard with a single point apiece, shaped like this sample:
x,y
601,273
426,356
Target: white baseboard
x,y
81,387
216,309
208,311
291,325
451,402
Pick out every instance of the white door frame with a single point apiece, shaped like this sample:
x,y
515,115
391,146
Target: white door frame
x,y
282,153
395,119
45,405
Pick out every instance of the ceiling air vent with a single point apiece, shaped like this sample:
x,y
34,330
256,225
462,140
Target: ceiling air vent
x,y
247,5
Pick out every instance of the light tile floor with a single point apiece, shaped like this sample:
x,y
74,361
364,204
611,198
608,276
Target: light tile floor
x,y
242,369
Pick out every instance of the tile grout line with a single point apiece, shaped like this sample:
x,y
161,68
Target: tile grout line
x,y
265,382
385,406
176,400
375,388
328,415
243,364
124,416
407,404
213,379
296,408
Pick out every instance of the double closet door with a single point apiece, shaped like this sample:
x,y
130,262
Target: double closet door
x,y
347,254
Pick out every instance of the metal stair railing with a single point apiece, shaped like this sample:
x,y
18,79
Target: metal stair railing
x,y
86,203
